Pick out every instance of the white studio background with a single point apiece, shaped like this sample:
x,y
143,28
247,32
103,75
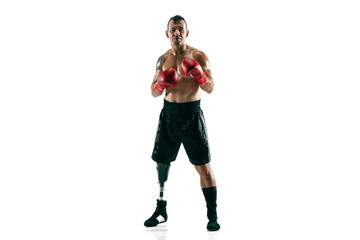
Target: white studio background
x,y
78,121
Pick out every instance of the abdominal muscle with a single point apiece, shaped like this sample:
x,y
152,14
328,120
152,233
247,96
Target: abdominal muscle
x,y
186,90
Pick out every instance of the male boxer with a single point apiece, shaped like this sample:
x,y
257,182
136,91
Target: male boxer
x,y
181,72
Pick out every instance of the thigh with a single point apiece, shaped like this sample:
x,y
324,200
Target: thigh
x,y
195,140
167,141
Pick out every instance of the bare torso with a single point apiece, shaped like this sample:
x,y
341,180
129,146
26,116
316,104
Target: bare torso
x,y
187,88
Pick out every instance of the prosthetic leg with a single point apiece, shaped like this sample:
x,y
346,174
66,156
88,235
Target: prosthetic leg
x,y
163,172
160,215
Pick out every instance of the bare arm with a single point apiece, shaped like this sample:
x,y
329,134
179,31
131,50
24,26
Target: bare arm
x,y
158,71
202,59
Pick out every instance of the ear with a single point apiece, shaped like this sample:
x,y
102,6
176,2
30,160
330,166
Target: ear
x,y
187,33
167,33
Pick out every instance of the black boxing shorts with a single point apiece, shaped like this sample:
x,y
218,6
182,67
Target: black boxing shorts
x,y
181,123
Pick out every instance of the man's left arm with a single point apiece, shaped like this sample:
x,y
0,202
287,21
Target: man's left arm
x,y
202,59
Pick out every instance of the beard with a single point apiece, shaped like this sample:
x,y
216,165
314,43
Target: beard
x,y
177,41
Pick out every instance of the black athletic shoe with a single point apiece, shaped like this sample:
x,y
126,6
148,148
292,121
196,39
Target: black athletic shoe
x,y
159,216
212,225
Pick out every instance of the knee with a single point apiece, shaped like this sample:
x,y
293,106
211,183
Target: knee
x,y
208,175
205,171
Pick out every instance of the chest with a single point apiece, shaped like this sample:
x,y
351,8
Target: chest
x,y
175,61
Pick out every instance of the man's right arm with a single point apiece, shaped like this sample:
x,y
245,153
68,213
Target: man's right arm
x,y
158,71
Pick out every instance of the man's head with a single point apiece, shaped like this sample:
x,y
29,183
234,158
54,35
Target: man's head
x,y
177,30
176,19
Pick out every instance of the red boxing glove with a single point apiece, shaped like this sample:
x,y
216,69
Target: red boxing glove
x,y
192,68
166,78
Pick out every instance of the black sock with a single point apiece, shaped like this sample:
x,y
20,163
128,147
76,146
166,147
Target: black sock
x,y
210,195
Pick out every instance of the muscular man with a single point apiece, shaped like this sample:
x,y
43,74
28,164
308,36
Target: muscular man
x,y
182,72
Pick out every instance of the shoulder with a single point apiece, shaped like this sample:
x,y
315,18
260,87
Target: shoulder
x,y
163,56
161,60
200,56
166,54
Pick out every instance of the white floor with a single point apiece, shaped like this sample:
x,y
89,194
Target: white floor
x,y
164,232
86,199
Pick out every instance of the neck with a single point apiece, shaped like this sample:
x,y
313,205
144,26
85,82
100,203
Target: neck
x,y
176,50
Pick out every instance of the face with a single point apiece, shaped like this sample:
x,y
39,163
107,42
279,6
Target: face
x,y
177,32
